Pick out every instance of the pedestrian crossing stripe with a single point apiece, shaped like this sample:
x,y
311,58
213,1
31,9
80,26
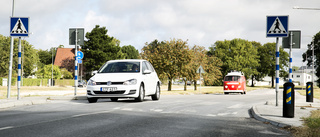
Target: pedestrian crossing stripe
x,y
19,26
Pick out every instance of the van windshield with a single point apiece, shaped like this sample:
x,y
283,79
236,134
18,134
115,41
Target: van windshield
x,y
232,78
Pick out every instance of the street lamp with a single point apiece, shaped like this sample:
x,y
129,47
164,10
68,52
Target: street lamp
x,y
297,7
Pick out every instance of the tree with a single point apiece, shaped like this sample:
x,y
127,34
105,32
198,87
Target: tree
x,y
46,72
29,57
100,48
130,52
167,57
267,62
211,65
316,43
236,54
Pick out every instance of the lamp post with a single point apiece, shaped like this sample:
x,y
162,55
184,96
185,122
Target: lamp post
x,y
303,8
52,66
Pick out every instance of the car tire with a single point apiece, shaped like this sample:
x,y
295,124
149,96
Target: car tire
x,y
226,93
140,98
92,100
156,96
114,99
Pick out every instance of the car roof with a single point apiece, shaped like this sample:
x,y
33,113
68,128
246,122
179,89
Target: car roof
x,y
127,60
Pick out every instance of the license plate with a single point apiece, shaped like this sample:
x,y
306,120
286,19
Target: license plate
x,y
108,89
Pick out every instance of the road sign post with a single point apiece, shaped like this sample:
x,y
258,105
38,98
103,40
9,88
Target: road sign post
x,y
76,36
293,41
19,27
277,26
200,70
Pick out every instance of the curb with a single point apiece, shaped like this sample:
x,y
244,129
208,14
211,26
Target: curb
x,y
257,116
37,100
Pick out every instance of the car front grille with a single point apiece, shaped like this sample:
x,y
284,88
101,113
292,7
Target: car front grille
x,y
113,92
112,83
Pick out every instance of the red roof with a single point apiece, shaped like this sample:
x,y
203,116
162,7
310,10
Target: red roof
x,y
62,55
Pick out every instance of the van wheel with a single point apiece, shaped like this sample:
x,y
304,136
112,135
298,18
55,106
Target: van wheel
x,y
140,98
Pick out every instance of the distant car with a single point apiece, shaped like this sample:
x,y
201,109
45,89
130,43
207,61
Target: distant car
x,y
130,78
82,83
189,83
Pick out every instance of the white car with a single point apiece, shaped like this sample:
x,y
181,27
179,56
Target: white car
x,y
129,78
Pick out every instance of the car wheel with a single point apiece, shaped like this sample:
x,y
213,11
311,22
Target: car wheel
x,y
226,93
92,100
140,98
114,99
156,96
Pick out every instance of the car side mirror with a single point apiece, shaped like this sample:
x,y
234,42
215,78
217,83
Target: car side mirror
x,y
94,72
147,72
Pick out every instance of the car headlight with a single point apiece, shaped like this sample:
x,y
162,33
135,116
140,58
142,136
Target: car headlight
x,y
130,82
91,82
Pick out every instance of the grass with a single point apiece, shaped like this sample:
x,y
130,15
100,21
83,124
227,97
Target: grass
x,y
311,126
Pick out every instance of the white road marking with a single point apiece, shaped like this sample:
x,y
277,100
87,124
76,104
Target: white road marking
x,y
8,127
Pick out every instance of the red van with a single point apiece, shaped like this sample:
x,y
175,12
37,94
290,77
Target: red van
x,y
234,82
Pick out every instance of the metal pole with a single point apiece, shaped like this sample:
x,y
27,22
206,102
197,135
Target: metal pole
x,y
76,65
290,61
10,59
313,60
277,69
52,67
19,68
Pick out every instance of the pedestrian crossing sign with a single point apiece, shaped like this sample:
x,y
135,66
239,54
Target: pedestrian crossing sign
x,y
19,26
277,26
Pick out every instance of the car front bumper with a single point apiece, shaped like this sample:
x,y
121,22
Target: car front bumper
x,y
123,91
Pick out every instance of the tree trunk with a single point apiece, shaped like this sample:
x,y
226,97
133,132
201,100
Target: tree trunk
x,y
169,85
272,81
185,86
252,85
195,85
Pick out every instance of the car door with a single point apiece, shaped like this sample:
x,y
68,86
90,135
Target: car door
x,y
147,78
153,78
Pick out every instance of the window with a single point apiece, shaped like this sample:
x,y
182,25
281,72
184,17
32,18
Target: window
x,y
298,76
116,67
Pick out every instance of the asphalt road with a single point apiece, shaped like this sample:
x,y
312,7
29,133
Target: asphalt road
x,y
171,116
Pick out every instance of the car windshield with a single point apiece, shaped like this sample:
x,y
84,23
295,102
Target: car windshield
x,y
232,78
121,67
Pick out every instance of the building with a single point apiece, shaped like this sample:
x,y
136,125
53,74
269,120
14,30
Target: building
x,y
303,75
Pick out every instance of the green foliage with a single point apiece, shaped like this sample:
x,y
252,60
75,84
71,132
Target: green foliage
x,y
100,48
167,57
130,52
64,82
236,54
316,42
29,56
267,62
66,74
46,72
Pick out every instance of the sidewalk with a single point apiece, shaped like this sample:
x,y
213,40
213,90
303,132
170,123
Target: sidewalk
x,y
273,114
44,97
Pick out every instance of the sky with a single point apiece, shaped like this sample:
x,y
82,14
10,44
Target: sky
x,y
135,22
